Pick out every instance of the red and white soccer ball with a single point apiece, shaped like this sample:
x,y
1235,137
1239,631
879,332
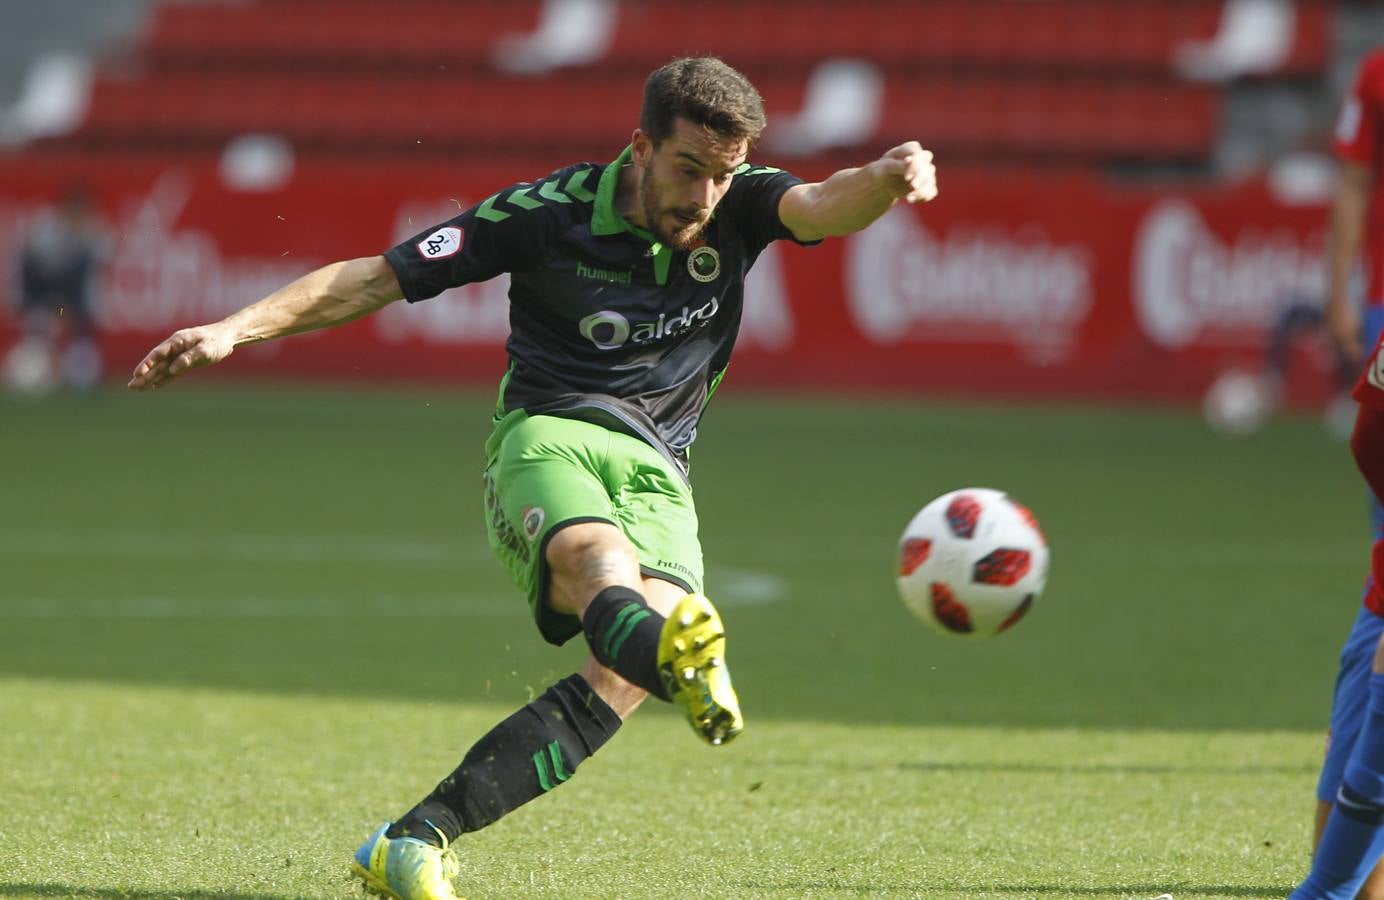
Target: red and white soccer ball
x,y
972,563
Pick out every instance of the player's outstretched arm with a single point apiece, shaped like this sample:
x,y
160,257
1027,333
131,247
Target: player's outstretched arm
x,y
853,198
332,295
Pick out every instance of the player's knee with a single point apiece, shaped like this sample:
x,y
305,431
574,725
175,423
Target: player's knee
x,y
587,557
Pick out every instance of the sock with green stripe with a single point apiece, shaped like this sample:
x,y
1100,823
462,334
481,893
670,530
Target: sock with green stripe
x,y
526,755
623,633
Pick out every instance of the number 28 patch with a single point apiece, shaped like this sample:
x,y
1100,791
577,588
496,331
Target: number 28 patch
x,y
442,243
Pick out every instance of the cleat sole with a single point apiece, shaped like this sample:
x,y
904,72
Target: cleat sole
x,y
692,665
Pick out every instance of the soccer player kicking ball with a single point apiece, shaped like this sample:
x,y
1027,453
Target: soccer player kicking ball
x,y
625,299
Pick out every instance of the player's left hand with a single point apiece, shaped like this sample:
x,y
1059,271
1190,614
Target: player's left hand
x,y
907,172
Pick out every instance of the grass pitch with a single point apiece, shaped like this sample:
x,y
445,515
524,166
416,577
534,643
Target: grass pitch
x,y
241,626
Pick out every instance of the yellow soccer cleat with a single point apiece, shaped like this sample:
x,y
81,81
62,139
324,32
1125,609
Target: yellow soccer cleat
x,y
404,868
692,663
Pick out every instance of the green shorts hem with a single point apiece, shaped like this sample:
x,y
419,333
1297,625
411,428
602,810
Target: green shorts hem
x,y
557,628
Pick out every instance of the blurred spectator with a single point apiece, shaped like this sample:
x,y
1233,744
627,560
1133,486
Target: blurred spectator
x,y
58,258
1356,226
1355,218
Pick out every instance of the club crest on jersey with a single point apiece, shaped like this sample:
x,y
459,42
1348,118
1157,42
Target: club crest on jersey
x,y
533,521
442,243
704,264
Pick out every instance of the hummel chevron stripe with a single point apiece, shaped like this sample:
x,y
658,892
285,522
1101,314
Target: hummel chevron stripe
x,y
548,190
550,767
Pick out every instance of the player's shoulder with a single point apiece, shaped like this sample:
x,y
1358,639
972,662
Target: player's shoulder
x,y
758,180
553,200
748,172
572,186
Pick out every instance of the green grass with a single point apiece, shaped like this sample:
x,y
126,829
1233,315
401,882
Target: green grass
x,y
240,626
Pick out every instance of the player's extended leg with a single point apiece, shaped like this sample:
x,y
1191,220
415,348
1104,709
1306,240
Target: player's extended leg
x,y
670,644
554,488
567,724
541,745
526,755
1349,703
1373,888
1353,839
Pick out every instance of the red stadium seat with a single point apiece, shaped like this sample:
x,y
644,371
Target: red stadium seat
x,y
1094,34
362,32
1012,80
1137,34
1092,118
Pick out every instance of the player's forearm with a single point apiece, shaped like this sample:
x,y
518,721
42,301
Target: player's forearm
x,y
1347,230
847,202
332,295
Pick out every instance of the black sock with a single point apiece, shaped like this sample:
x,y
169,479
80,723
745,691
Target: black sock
x,y
528,754
623,632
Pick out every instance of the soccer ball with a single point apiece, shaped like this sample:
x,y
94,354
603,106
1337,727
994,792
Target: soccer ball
x,y
972,562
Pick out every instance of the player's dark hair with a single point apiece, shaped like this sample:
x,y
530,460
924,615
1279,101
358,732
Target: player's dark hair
x,y
705,91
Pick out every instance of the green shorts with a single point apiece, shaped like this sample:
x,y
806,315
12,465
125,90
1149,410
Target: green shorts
x,y
544,473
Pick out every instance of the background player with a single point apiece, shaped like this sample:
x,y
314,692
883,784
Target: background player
x,y
58,260
1355,225
625,302
1353,837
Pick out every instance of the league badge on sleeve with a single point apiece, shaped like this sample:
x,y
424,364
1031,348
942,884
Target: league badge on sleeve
x,y
442,243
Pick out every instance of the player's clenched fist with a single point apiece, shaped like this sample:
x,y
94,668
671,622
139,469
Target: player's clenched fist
x,y
908,172
183,350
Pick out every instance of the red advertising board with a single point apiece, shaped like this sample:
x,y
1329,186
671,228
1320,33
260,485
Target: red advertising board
x,y
1019,286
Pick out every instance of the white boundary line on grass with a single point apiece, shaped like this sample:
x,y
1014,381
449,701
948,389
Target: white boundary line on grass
x,y
738,586
240,547
759,590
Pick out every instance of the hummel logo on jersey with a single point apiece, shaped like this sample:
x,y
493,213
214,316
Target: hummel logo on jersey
x,y
585,271
442,243
609,330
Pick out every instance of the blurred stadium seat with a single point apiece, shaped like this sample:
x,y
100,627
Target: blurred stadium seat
x,y
353,33
1094,34
583,113
1074,82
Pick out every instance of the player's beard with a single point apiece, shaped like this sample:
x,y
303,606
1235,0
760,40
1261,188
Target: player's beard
x,y
684,237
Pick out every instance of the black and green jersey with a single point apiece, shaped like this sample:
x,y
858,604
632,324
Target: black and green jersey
x,y
606,324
